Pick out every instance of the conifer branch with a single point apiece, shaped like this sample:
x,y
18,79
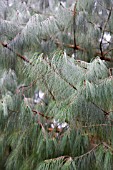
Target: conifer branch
x,y
60,75
41,114
97,125
107,146
105,53
19,55
79,48
66,157
70,46
30,85
89,152
49,90
34,111
105,112
26,87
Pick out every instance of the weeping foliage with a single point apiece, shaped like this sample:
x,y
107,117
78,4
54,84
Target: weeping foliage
x,y
56,110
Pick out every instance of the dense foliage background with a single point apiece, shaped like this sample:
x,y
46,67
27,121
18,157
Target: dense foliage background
x,y
56,85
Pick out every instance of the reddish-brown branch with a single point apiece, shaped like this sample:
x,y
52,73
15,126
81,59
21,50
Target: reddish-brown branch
x,y
107,59
19,55
105,53
65,45
107,146
70,46
105,112
102,57
41,114
25,87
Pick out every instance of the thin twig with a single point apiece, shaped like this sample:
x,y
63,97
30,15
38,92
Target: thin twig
x,y
66,157
74,30
105,53
106,114
103,31
97,125
19,55
87,153
25,87
77,47
41,114
107,146
60,75
50,92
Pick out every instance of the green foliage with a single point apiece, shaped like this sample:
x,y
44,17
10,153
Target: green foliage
x,y
69,125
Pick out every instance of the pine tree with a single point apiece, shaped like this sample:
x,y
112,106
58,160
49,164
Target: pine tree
x,y
56,95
